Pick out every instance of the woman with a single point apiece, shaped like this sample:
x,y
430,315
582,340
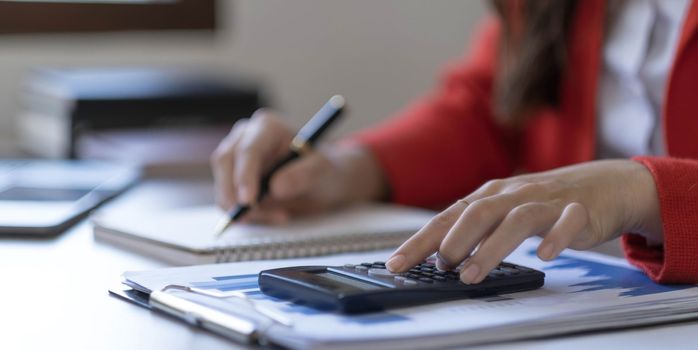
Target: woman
x,y
548,90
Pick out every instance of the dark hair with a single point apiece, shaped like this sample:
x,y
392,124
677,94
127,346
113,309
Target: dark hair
x,y
532,55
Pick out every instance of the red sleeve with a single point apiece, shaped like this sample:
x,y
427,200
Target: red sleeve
x,y
445,145
677,260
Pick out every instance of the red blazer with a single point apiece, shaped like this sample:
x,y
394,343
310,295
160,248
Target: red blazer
x,y
445,145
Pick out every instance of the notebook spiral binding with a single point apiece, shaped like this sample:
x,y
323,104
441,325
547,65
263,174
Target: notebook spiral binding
x,y
310,246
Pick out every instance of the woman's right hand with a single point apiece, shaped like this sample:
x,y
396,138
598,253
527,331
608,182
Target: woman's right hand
x,y
320,180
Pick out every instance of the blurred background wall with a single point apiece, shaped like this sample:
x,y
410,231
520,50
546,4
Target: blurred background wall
x,y
380,54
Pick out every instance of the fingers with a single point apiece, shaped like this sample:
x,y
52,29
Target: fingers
x,y
573,221
426,241
247,152
498,217
478,220
246,175
241,157
222,166
522,222
259,146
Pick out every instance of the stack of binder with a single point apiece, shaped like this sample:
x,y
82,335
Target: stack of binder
x,y
63,106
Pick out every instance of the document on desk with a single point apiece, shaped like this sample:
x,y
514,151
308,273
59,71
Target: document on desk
x,y
583,292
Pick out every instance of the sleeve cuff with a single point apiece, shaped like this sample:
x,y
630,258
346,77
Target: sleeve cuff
x,y
676,261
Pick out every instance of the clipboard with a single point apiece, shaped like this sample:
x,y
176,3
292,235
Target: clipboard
x,y
246,323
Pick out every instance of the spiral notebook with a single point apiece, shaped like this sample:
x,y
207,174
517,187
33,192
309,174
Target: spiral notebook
x,y
186,236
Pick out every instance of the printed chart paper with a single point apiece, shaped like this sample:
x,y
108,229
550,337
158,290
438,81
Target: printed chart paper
x,y
582,291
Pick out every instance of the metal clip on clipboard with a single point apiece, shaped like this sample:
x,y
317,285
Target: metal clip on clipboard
x,y
230,314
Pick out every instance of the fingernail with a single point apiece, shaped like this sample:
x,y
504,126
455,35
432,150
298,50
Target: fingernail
x,y
442,263
244,195
395,263
546,250
470,273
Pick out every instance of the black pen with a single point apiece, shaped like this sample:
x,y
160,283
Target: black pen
x,y
302,143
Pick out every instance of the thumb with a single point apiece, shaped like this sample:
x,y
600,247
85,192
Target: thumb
x,y
298,177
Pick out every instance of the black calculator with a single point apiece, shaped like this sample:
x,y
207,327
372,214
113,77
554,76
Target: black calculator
x,y
366,287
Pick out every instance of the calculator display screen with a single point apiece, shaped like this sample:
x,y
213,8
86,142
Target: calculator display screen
x,y
348,281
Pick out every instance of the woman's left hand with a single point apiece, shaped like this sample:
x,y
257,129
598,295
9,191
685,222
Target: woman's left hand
x,y
578,207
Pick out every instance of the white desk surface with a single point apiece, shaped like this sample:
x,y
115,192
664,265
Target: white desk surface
x,y
54,294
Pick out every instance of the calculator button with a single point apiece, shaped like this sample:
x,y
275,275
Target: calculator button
x,y
409,282
440,273
496,273
426,280
366,264
379,263
411,275
510,270
349,266
427,274
453,277
439,278
426,269
361,268
400,279
415,270
379,272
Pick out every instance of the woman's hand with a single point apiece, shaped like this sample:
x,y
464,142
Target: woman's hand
x,y
318,181
577,207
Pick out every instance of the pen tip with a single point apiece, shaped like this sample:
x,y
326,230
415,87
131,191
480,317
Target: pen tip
x,y
222,226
